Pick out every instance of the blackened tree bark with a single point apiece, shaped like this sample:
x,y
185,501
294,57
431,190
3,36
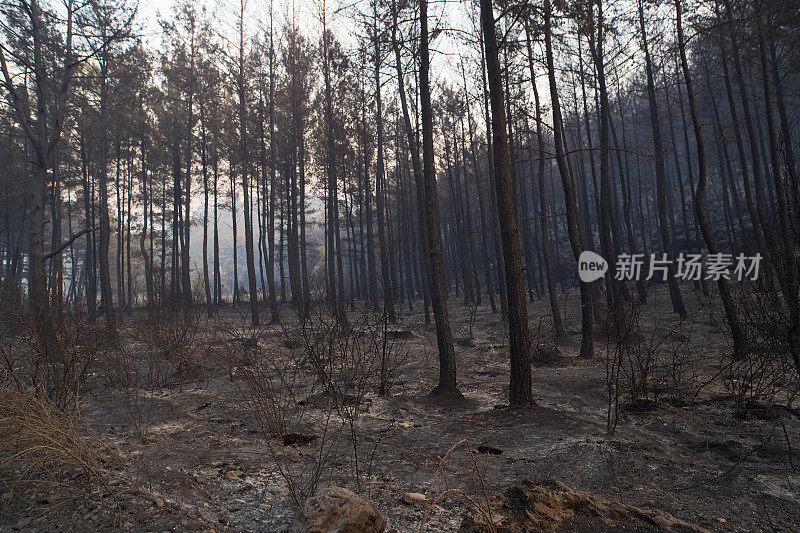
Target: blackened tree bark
x,y
788,241
332,182
739,341
106,296
146,255
413,147
217,272
501,287
38,131
478,179
247,207
661,173
386,282
760,203
743,164
447,358
558,323
204,165
587,342
273,304
187,300
519,337
606,211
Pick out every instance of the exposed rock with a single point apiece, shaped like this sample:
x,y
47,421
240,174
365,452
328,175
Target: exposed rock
x,y
233,474
338,510
416,498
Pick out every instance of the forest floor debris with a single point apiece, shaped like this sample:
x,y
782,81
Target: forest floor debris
x,y
691,464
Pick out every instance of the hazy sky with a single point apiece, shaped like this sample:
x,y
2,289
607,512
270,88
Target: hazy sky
x,y
341,20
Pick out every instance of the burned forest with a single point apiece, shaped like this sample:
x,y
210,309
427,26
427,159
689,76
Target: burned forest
x,y
399,266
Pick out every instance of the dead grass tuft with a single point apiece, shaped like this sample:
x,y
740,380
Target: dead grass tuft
x,y
40,442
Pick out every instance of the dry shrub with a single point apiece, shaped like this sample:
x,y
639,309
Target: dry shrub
x,y
348,354
154,354
62,378
769,372
459,475
467,330
676,367
139,374
271,382
307,386
646,364
268,378
353,356
173,339
40,442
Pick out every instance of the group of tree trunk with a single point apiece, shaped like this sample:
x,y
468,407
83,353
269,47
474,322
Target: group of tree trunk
x,y
438,175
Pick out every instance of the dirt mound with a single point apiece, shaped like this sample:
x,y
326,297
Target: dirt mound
x,y
553,506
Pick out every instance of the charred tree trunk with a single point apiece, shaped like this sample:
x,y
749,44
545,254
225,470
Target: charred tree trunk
x,y
416,165
519,338
587,343
739,341
386,282
273,304
674,292
447,360
558,323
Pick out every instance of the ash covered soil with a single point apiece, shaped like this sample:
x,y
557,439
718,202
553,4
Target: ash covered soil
x,y
196,458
